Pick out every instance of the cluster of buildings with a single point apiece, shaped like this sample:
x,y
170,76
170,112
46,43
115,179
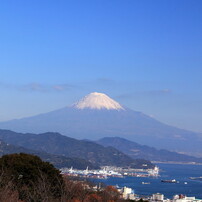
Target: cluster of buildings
x,y
108,171
177,198
128,193
99,174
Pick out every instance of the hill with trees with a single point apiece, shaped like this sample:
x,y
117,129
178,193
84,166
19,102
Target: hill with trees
x,y
58,161
57,144
28,175
27,178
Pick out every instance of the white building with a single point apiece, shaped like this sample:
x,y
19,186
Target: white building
x,y
127,193
157,197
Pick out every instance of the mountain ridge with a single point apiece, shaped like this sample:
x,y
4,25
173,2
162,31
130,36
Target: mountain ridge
x,y
94,124
57,144
57,160
136,150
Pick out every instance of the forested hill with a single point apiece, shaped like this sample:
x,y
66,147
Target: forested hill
x,y
55,143
58,161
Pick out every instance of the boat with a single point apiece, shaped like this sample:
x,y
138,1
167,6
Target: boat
x,y
169,181
145,182
196,178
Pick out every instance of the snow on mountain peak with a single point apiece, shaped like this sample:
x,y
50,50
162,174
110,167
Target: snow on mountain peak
x,y
98,101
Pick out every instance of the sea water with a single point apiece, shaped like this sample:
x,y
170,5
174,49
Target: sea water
x,y
181,173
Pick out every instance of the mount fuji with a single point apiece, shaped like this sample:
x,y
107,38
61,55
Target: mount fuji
x,y
97,115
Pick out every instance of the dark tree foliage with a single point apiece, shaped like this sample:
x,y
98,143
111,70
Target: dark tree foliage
x,y
30,176
26,178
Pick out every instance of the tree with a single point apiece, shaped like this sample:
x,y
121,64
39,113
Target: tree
x,y
93,198
110,194
33,179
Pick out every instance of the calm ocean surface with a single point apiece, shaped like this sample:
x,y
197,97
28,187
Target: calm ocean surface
x,y
168,171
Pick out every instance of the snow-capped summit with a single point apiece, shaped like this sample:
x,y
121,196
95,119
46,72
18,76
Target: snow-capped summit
x,y
98,101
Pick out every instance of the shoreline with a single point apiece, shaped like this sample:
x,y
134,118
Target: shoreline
x,y
174,162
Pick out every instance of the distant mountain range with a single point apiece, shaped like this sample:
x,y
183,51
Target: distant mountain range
x,y
57,160
57,144
96,116
136,150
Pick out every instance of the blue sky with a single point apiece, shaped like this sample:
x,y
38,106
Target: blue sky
x,y
146,54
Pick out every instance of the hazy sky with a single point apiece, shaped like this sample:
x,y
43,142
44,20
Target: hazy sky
x,y
146,54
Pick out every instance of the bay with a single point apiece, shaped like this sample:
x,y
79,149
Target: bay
x,y
180,172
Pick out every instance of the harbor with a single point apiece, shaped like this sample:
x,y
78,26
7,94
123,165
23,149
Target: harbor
x,y
144,185
110,171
